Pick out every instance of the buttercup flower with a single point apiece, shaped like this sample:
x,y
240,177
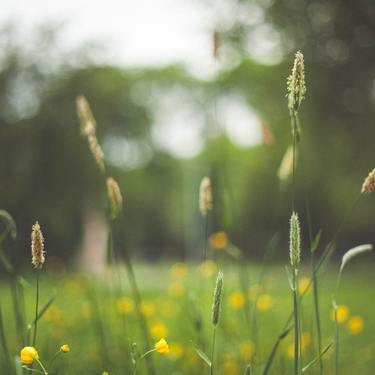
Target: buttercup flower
x,y
65,348
162,346
219,240
355,324
342,313
28,355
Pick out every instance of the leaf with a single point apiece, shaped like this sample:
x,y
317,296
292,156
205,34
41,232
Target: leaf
x,y
324,351
44,309
203,356
316,241
289,273
10,225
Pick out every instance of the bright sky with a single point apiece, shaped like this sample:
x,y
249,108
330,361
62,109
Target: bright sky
x,y
156,32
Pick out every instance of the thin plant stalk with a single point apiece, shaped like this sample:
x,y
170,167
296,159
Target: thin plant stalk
x,y
205,238
36,307
296,322
213,352
316,309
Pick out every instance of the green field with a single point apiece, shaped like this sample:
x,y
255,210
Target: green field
x,y
96,317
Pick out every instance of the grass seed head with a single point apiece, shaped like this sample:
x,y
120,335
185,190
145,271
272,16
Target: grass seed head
x,y
114,197
294,240
296,84
37,246
205,196
369,183
217,299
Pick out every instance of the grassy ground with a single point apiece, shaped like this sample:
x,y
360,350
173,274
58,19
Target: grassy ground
x,y
97,319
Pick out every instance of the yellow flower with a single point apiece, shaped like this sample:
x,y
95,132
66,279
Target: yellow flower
x,y
178,270
230,366
290,351
236,300
159,330
176,289
162,346
208,268
28,355
342,314
355,324
303,283
176,350
147,308
305,340
247,350
65,348
124,305
219,240
264,302
105,373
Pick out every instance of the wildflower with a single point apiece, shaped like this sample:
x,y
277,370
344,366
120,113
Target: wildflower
x,y
342,314
290,351
305,340
124,305
236,300
294,241
105,373
178,270
355,324
114,197
296,86
176,350
247,350
159,330
230,366
65,348
28,355
205,196
162,346
207,268
37,246
219,240
303,284
147,308
176,289
264,302
369,183
217,299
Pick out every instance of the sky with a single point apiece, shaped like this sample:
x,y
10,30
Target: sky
x,y
155,33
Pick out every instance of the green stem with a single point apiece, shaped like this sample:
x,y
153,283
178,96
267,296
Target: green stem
x,y
147,353
213,352
336,340
296,323
317,311
36,307
42,367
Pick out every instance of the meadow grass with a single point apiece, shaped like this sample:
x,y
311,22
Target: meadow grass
x,y
168,309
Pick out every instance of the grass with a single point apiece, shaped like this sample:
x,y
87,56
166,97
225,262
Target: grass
x,y
70,320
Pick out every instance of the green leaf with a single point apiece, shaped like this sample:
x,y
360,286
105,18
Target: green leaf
x,y
43,309
203,356
316,241
324,351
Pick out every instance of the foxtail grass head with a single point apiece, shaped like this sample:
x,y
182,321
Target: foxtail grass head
x,y
294,241
369,183
296,84
114,197
37,246
205,196
217,299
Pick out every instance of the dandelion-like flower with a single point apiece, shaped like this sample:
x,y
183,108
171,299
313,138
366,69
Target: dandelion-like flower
x,y
28,355
294,240
296,84
65,348
37,246
217,299
162,346
205,196
369,184
114,197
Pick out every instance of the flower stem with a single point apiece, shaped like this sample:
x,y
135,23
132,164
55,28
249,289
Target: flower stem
x,y
213,352
36,307
296,324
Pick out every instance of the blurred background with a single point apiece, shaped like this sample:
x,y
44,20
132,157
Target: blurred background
x,y
181,90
